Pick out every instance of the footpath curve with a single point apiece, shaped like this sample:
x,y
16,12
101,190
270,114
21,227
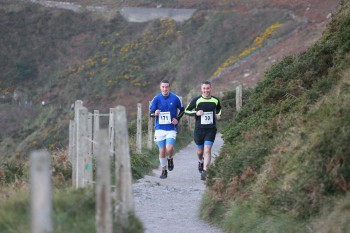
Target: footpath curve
x,y
172,204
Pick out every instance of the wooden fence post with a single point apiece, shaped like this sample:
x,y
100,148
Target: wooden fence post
x,y
189,118
239,98
111,131
139,129
77,105
104,222
124,196
88,176
71,141
96,129
41,196
82,146
150,130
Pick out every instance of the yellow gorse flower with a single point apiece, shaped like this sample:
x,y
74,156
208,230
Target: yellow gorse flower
x,y
258,43
129,52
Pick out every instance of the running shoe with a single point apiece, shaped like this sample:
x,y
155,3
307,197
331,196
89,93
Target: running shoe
x,y
164,174
170,164
200,167
204,175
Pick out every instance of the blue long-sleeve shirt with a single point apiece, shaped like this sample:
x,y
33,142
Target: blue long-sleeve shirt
x,y
170,104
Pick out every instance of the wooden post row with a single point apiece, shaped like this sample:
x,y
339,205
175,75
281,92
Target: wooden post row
x,y
86,141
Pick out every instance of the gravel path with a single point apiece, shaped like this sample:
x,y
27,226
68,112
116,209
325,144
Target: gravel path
x,y
172,204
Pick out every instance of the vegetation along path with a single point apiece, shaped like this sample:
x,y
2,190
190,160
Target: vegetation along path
x,y
172,204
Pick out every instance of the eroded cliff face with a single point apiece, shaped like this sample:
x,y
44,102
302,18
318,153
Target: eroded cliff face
x,y
315,13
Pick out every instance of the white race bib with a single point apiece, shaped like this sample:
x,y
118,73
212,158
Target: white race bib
x,y
164,118
207,118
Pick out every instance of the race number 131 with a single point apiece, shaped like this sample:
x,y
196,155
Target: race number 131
x,y
164,118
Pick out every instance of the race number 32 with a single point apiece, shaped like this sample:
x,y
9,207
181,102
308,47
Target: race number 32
x,y
164,118
207,118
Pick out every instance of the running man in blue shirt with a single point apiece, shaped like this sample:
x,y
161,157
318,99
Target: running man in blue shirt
x,y
168,109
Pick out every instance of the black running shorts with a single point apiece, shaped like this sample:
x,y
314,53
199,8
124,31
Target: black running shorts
x,y
204,134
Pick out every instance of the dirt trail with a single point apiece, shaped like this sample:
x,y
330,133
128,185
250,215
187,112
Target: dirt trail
x,y
172,204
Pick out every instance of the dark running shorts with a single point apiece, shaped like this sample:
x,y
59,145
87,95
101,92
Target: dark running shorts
x,y
201,135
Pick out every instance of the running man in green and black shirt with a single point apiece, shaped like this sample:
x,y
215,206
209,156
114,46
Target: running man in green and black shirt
x,y
206,109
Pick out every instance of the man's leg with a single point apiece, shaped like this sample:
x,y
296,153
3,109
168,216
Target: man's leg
x,y
160,138
199,140
207,158
208,143
162,159
207,155
170,151
200,150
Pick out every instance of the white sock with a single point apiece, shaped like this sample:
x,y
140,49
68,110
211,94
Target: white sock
x,y
163,162
201,161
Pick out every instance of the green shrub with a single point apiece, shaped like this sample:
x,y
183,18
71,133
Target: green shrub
x,y
12,170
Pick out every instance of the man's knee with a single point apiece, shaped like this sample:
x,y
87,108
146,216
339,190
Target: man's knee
x,y
169,148
200,151
207,150
162,151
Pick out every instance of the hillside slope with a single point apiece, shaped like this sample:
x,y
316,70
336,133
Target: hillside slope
x,y
286,154
60,56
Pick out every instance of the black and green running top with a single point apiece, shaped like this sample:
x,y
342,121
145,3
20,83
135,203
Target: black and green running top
x,y
210,106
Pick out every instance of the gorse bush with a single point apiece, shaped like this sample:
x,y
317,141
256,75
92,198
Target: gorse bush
x,y
11,170
24,71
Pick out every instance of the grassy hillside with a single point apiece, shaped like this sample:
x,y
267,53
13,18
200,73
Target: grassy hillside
x,y
60,56
73,210
284,155
285,165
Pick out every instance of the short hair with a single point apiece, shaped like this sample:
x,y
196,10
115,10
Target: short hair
x,y
165,81
207,82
